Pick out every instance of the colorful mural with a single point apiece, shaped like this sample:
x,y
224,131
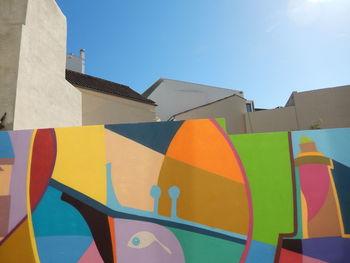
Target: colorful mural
x,y
175,192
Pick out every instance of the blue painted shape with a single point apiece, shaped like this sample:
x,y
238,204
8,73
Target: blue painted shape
x,y
329,249
333,143
261,252
54,217
58,249
174,193
341,175
156,136
112,200
156,192
6,150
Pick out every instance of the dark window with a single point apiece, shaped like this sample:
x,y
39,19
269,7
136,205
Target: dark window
x,y
249,107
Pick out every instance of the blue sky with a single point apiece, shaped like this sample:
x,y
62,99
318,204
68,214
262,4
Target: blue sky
x,y
265,48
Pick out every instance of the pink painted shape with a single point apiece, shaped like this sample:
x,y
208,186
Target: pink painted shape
x,y
307,259
315,183
249,198
91,255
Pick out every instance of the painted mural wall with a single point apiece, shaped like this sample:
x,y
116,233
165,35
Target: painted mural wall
x,y
174,192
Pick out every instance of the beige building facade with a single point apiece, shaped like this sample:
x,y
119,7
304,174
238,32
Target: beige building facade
x,y
231,108
323,108
106,102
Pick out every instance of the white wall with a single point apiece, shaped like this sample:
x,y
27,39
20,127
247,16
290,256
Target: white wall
x,y
34,86
44,98
12,17
174,96
100,108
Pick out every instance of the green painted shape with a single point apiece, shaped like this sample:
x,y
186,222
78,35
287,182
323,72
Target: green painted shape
x,y
305,139
266,160
222,123
198,248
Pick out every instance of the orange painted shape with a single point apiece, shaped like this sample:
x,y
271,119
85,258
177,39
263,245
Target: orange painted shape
x,y
112,233
201,144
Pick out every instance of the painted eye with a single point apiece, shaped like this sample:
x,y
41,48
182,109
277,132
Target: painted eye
x,y
141,239
144,239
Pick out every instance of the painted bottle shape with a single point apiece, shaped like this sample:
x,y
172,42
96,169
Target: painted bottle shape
x,y
319,201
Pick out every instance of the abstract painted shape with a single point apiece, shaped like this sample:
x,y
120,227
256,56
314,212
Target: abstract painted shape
x,y
139,241
99,227
261,252
42,164
341,177
202,248
134,169
6,151
323,218
4,214
91,255
21,141
57,249
54,217
201,144
156,137
18,246
81,160
267,164
329,249
205,198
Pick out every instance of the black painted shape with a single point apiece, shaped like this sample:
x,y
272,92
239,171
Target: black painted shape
x,y
341,175
116,214
293,245
98,224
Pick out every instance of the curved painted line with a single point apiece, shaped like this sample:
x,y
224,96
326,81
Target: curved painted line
x,y
249,197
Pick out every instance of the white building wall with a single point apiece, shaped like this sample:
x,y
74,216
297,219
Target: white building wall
x,y
174,96
43,97
12,18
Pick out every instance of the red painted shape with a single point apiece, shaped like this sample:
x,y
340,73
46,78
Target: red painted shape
x,y
315,183
42,164
288,256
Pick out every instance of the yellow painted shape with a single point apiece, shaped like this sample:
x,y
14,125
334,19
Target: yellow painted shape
x,y
304,216
135,169
310,154
17,248
205,198
201,144
81,160
5,178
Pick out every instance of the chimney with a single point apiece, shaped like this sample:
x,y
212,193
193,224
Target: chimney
x,y
82,57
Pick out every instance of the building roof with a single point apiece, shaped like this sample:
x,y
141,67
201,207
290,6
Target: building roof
x,y
204,105
155,85
104,86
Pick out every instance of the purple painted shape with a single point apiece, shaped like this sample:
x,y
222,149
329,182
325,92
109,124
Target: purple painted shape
x,y
166,247
21,144
329,249
315,183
